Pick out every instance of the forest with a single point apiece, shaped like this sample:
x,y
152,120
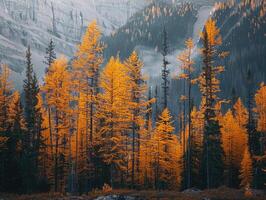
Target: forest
x,y
91,124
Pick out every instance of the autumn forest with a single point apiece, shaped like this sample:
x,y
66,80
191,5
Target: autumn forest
x,y
94,123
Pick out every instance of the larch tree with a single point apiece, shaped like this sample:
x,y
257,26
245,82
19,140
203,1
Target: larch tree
x,y
138,104
58,97
240,114
246,170
234,142
165,154
212,162
114,114
259,142
187,67
88,59
261,108
5,99
146,172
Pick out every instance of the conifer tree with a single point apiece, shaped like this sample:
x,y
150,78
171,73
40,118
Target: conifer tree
x,y
32,118
58,97
166,153
49,59
241,114
114,114
212,162
146,172
86,64
138,106
13,172
87,61
165,70
197,127
259,136
186,66
5,99
246,170
50,54
234,142
261,108
5,96
251,126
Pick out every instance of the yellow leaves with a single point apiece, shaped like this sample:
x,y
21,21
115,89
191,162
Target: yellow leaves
x,y
246,169
234,138
164,125
166,150
5,96
213,33
189,43
88,57
113,112
224,54
57,84
186,61
260,109
241,114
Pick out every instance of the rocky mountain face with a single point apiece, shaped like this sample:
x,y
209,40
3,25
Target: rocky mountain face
x,y
35,22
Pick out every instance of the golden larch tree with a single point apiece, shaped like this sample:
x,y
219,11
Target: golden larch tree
x,y
58,96
166,154
246,170
260,109
114,114
5,99
138,105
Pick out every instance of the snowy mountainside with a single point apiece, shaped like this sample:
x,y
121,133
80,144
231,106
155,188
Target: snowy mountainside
x,y
35,22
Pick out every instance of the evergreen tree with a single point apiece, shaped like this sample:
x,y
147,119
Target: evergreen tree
x,y
165,70
32,139
251,126
50,55
212,162
5,99
197,127
13,172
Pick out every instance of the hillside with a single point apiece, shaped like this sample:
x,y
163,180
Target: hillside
x,y
34,23
243,30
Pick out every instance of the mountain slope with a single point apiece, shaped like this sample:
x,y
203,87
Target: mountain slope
x,y
35,22
243,28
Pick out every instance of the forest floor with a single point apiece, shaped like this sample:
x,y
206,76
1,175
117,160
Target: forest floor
x,y
222,193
